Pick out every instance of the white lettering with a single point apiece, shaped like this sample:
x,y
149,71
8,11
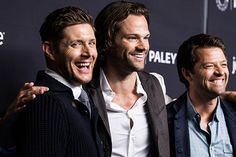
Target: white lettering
x,y
162,57
234,3
1,37
173,56
234,65
151,55
168,57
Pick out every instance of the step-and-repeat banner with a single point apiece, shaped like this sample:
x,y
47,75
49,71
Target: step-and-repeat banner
x,y
171,23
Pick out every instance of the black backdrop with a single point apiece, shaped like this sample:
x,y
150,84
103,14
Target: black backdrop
x,y
171,23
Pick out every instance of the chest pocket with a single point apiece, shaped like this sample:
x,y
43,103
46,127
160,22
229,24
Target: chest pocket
x,y
228,150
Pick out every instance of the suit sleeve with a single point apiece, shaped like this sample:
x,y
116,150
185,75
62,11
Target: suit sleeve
x,y
42,129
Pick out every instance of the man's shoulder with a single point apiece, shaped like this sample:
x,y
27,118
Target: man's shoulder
x,y
145,74
56,87
57,96
228,106
148,78
177,104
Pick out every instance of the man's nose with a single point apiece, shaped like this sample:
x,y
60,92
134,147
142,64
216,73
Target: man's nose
x,y
143,44
86,50
219,70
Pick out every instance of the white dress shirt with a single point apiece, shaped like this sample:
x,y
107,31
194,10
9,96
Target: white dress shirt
x,y
129,128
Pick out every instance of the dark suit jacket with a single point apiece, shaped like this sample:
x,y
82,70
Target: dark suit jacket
x,y
155,106
56,125
178,125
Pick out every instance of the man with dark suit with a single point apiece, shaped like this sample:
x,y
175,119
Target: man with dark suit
x,y
200,122
62,122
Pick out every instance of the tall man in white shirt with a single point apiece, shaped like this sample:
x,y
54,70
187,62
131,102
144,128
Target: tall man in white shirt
x,y
130,101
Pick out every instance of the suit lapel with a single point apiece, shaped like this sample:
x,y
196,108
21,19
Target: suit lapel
x,y
182,145
229,110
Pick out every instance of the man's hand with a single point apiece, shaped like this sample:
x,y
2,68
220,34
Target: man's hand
x,y
229,96
27,93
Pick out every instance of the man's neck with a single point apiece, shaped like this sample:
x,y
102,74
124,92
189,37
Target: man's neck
x,y
124,87
204,106
120,82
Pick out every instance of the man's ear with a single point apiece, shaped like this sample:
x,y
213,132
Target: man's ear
x,y
187,74
48,50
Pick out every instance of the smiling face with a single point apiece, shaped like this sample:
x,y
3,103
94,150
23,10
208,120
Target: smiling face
x,y
76,54
210,73
131,44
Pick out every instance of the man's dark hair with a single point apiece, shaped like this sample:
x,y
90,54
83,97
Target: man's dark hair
x,y
55,22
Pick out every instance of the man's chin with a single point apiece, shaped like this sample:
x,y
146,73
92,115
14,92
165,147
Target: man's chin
x,y
217,92
83,80
138,69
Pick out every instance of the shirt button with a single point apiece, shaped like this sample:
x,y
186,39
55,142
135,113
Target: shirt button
x,y
179,150
177,126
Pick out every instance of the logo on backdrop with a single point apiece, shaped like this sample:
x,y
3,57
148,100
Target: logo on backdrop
x,y
162,57
2,34
234,65
223,5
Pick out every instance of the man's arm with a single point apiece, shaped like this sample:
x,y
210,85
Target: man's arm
x,y
42,128
27,93
160,78
229,96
